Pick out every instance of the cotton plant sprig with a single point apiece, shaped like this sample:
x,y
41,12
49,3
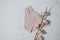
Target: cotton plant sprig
x,y
44,22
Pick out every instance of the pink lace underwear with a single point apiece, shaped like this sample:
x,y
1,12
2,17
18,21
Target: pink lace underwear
x,y
32,18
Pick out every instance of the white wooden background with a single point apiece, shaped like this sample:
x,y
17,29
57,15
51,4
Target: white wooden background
x,y
12,19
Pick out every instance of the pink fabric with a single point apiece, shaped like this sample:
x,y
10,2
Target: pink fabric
x,y
31,18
